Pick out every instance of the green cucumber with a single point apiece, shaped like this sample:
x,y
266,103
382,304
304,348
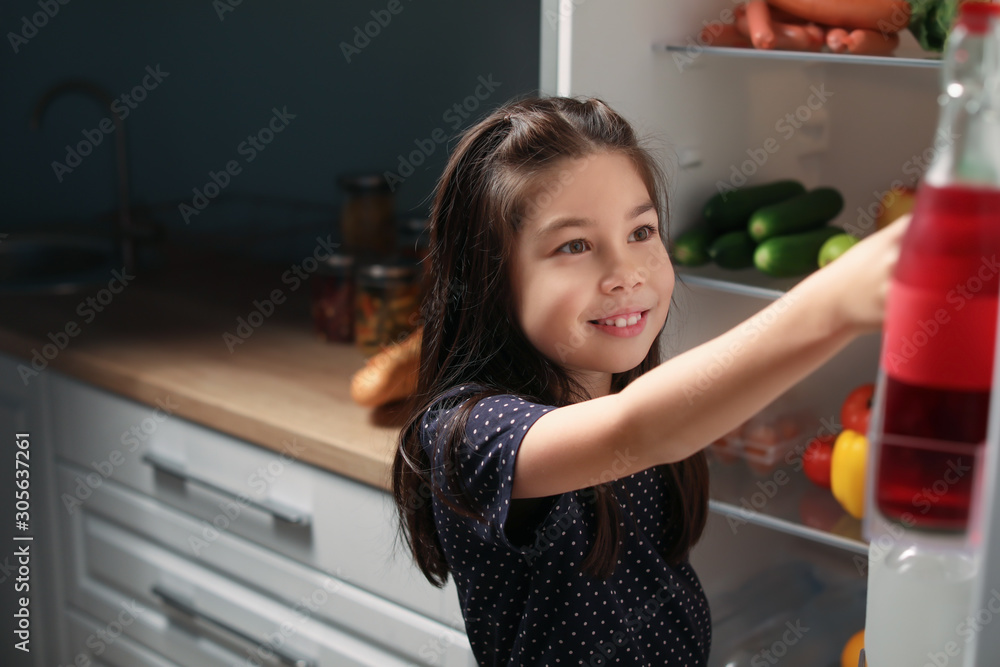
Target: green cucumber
x,y
691,247
801,213
792,254
731,210
733,250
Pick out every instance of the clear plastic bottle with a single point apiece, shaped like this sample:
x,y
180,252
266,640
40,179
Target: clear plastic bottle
x,y
918,598
940,329
937,369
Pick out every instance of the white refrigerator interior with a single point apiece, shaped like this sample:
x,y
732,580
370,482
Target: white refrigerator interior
x,y
773,561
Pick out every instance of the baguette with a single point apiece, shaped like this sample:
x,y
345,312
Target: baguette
x,y
390,375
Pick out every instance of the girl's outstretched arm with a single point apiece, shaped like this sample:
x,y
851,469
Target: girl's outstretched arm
x,y
668,414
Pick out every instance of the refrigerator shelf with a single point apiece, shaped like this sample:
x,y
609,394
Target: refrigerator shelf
x,y
745,282
783,499
693,50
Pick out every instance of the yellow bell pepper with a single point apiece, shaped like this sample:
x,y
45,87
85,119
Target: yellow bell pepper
x,y
847,471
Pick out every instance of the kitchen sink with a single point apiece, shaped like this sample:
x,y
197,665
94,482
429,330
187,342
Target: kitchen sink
x,y
55,264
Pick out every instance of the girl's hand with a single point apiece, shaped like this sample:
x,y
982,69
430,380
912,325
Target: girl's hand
x,y
856,283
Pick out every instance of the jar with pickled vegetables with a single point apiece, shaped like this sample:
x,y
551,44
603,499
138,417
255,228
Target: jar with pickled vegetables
x,y
333,299
387,304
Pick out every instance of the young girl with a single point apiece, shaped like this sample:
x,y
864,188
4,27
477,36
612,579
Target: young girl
x,y
552,464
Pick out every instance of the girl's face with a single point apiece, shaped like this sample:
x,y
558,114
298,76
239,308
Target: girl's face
x,y
591,277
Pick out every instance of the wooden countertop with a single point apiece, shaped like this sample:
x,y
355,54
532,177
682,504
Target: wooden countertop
x,y
162,335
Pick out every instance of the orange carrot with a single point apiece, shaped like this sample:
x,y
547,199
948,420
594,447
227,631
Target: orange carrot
x,y
783,16
886,16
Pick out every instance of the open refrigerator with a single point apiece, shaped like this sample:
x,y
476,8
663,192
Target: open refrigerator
x,y
785,568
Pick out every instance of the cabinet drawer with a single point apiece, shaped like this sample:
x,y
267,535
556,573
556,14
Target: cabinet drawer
x,y
85,640
344,528
327,599
195,616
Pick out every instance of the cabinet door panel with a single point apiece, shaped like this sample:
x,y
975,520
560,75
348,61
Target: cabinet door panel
x,y
84,635
233,485
197,617
330,599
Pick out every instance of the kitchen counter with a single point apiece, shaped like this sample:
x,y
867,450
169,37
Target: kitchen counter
x,y
162,340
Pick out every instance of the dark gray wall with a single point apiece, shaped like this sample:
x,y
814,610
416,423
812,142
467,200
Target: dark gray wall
x,y
227,71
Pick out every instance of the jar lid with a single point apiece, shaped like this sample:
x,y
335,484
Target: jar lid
x,y
358,183
388,271
415,231
338,263
416,225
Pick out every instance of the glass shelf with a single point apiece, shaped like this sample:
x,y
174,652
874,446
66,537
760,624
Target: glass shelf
x,y
745,282
781,499
803,56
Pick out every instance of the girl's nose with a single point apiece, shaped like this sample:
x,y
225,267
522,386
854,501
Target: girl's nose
x,y
624,273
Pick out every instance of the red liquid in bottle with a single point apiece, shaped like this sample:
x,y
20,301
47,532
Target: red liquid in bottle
x,y
937,356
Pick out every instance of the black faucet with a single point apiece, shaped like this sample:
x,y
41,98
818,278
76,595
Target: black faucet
x,y
123,232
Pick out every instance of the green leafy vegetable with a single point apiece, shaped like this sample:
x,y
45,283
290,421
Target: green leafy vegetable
x,y
930,21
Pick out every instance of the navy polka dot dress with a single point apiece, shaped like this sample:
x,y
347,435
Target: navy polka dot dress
x,y
526,601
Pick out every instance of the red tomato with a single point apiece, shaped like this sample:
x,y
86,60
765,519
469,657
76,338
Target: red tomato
x,y
857,408
816,460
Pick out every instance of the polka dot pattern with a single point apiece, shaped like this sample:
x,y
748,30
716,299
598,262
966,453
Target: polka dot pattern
x,y
527,602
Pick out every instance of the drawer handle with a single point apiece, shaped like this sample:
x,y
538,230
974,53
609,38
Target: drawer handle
x,y
276,509
179,604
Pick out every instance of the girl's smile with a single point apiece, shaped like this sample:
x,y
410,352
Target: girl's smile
x,y
625,325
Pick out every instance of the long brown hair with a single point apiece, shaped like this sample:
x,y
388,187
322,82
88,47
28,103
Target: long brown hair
x,y
471,333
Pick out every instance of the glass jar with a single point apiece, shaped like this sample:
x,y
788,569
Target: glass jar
x,y
414,244
367,219
333,299
414,238
387,305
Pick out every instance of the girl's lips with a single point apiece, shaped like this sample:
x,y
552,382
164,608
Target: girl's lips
x,y
627,331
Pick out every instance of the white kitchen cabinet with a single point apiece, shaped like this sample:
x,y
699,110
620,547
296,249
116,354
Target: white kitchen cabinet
x,y
226,562
85,631
146,524
331,523
718,118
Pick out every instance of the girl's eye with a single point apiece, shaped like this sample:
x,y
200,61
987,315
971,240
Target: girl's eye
x,y
643,233
574,247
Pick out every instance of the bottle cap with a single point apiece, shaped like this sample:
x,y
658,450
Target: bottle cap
x,y
975,16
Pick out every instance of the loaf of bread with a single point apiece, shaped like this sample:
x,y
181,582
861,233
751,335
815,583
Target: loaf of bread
x,y
390,375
